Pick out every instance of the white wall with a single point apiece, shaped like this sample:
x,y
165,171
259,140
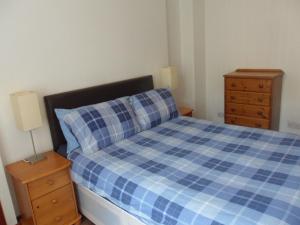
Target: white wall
x,y
5,198
60,45
226,35
199,55
181,48
186,51
256,33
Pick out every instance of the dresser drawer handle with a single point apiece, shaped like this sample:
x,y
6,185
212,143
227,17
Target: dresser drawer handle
x,y
50,182
58,219
233,110
54,201
261,86
260,99
258,125
232,97
260,113
233,85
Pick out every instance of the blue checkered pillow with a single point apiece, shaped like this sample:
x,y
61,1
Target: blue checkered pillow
x,y
100,125
154,107
72,143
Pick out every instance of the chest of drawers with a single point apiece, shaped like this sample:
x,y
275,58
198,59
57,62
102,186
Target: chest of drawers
x,y
44,191
253,98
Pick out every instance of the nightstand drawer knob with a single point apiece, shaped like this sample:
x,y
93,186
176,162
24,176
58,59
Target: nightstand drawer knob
x,y
50,182
54,201
58,219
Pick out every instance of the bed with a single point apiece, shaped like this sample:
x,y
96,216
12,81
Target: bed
x,y
184,171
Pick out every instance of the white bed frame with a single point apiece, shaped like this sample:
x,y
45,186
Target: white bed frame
x,y
101,211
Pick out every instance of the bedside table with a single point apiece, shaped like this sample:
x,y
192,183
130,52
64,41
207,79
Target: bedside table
x,y
45,191
186,111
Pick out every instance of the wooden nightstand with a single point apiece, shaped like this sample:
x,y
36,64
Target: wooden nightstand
x,y
186,111
45,191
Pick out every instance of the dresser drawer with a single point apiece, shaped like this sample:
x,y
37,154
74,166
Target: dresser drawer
x,y
248,98
255,85
262,112
47,184
60,203
247,121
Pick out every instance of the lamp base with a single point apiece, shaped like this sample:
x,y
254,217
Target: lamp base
x,y
35,158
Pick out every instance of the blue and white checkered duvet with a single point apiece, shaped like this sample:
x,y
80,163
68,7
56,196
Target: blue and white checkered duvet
x,y
189,171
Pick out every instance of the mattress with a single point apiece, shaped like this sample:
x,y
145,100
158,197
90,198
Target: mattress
x,y
188,171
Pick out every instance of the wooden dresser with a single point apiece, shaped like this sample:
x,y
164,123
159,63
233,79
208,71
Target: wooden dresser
x,y
45,191
253,98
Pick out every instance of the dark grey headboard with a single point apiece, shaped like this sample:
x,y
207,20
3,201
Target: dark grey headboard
x,y
88,96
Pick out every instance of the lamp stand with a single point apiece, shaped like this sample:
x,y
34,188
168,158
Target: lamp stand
x,y
36,157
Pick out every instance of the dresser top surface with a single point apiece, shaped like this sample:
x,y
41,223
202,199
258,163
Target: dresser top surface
x,y
256,73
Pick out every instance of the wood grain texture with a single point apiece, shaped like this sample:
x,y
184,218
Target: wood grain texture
x,y
45,191
60,203
253,97
256,73
247,121
26,172
255,85
49,183
23,198
261,112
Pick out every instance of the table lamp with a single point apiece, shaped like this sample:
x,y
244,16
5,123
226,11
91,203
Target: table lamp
x,y
168,76
28,117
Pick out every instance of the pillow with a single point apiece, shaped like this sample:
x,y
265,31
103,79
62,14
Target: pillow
x,y
154,107
72,142
100,125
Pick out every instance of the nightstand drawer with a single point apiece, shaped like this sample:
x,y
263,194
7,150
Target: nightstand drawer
x,y
47,184
255,85
60,203
262,112
248,98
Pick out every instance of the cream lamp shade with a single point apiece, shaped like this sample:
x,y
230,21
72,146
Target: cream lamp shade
x,y
168,77
26,110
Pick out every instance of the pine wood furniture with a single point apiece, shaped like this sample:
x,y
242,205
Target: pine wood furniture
x,y
94,207
45,191
185,111
253,98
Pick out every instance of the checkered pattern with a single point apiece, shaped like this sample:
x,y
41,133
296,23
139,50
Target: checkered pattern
x,y
193,172
100,125
154,107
